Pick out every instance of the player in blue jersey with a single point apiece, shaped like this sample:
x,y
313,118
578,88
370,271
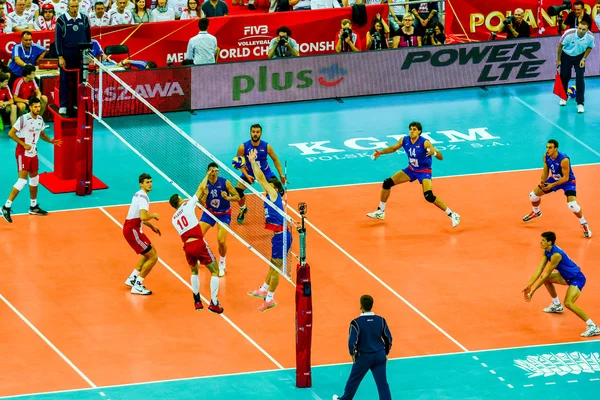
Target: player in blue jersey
x,y
263,149
282,238
567,273
419,151
557,175
216,197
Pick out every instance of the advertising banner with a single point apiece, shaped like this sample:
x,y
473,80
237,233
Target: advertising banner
x,y
475,20
378,72
240,37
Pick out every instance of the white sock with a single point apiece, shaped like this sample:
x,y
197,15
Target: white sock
x,y
556,301
8,204
582,220
535,209
134,274
264,287
140,280
195,284
33,202
222,260
214,289
589,322
382,206
270,296
448,211
242,207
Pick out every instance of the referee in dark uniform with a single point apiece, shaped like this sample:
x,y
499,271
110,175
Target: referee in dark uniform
x,y
72,28
369,342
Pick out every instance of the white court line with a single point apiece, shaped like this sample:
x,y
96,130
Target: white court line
x,y
229,321
48,342
560,128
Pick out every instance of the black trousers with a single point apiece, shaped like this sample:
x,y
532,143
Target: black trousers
x,y
69,80
567,62
376,362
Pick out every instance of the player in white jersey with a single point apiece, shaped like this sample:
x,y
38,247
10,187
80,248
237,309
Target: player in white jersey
x,y
195,247
26,132
137,215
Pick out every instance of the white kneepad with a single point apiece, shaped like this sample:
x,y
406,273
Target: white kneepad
x,y
20,184
533,197
34,181
573,206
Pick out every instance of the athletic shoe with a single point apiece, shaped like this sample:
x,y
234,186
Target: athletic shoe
x,y
258,293
6,214
266,305
455,219
221,269
37,211
138,288
62,111
198,302
580,108
532,215
562,102
592,330
377,214
130,281
242,214
554,308
587,232
215,308
335,397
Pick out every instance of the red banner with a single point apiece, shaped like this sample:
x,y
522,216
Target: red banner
x,y
240,37
475,20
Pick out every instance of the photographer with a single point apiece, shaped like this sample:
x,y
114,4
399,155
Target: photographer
x,y
377,35
434,36
576,16
347,40
515,26
283,45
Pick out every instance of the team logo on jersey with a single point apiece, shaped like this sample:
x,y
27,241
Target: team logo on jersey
x,y
331,76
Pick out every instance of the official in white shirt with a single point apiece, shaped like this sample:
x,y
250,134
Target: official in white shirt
x,y
202,48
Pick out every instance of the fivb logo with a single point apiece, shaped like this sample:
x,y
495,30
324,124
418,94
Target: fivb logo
x,y
256,30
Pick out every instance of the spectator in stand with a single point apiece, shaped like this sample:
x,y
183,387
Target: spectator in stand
x,y
576,16
283,46
86,6
141,13
139,64
178,6
192,11
299,5
7,103
424,13
162,12
24,88
6,7
517,27
408,34
598,15
60,7
347,40
434,36
99,17
320,4
19,19
214,8
24,53
5,26
397,12
377,36
32,8
130,5
202,48
120,15
46,21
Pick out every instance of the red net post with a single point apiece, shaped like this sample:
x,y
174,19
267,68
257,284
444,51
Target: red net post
x,y
83,154
303,326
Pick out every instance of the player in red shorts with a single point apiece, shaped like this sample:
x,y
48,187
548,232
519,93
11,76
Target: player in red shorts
x,y
132,230
28,129
196,250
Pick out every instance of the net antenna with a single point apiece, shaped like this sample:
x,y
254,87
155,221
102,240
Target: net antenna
x,y
172,143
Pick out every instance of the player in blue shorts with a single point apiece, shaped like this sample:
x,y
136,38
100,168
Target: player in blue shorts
x,y
281,238
216,197
557,175
568,273
263,149
419,151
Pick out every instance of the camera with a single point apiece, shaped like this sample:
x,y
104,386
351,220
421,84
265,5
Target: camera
x,y
509,20
555,10
282,40
430,32
346,32
377,36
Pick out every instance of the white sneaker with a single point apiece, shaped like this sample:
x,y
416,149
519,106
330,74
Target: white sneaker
x,y
62,110
592,330
455,219
580,108
562,102
335,397
554,308
138,288
130,281
377,214
221,269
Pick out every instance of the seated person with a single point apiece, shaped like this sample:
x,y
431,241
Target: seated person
x,y
24,88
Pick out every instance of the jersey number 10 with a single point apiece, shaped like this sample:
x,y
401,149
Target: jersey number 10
x,y
182,222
